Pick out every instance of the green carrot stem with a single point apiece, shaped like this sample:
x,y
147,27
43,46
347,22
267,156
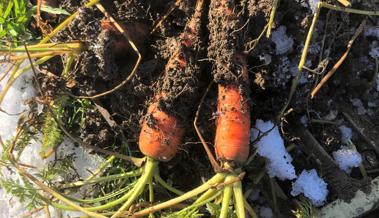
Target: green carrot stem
x,y
57,195
165,185
67,67
206,195
272,17
151,191
103,179
102,167
249,209
348,10
218,178
239,200
151,167
228,191
53,47
102,198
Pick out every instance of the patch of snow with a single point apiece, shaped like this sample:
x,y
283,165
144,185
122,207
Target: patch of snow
x,y
4,209
374,49
347,158
266,212
346,133
313,4
84,162
294,68
331,115
254,195
271,146
372,31
312,186
281,75
359,106
266,58
314,48
304,120
283,43
14,103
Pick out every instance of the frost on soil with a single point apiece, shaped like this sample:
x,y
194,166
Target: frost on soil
x,y
283,43
312,186
346,133
14,104
271,146
347,158
266,212
313,4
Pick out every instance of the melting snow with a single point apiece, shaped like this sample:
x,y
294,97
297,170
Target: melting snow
x,y
282,41
359,105
372,31
347,158
13,104
312,186
313,4
346,133
374,49
266,212
271,146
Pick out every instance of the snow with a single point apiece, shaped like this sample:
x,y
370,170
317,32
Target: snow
x,y
271,146
266,212
377,83
359,105
266,58
304,120
282,42
347,158
346,133
374,49
312,186
14,104
313,4
372,31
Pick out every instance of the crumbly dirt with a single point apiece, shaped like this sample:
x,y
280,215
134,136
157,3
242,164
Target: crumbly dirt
x,y
225,42
213,58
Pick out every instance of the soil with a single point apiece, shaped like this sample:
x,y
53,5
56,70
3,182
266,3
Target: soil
x,y
214,56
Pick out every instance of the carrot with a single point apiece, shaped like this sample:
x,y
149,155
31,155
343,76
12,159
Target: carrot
x,y
162,130
233,125
161,138
231,74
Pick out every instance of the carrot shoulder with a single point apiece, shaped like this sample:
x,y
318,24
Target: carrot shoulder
x,y
161,134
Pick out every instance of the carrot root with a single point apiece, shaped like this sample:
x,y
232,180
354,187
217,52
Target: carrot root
x,y
233,125
161,134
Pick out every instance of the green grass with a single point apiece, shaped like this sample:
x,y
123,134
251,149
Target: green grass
x,y
14,19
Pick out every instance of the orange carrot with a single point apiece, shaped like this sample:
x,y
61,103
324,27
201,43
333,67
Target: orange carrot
x,y
233,123
161,138
162,132
231,74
